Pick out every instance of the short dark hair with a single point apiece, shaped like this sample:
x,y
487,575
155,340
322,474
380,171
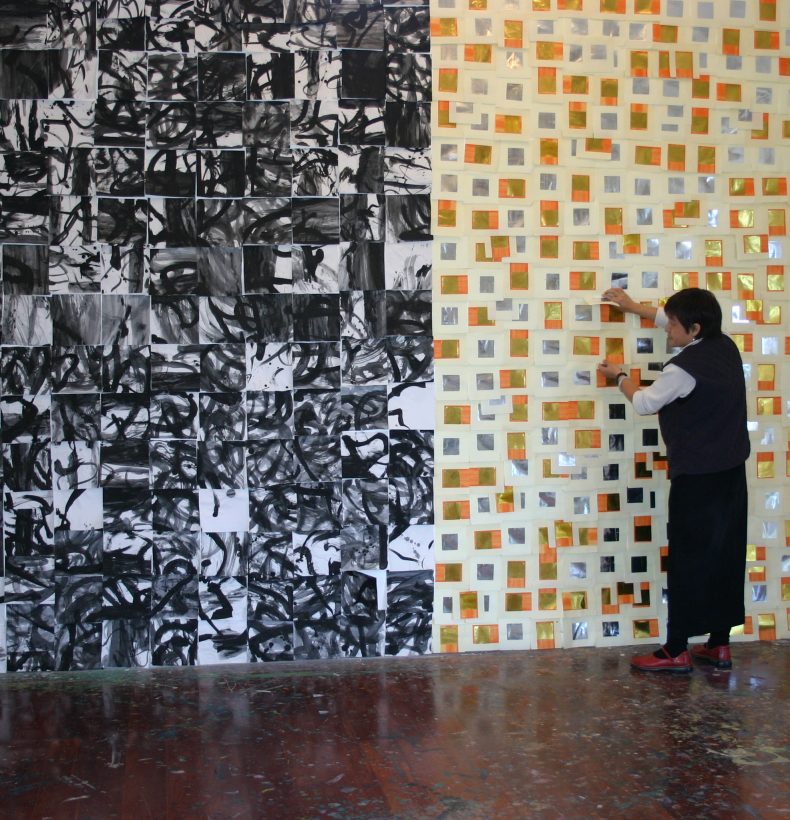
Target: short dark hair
x,y
695,305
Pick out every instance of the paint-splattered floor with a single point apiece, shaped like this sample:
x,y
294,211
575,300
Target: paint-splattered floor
x,y
570,733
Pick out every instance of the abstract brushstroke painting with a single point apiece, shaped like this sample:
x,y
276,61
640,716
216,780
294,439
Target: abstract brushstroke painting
x,y
215,244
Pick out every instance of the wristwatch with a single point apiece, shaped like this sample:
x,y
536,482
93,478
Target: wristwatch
x,y
620,375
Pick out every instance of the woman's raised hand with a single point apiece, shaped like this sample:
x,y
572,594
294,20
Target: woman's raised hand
x,y
621,299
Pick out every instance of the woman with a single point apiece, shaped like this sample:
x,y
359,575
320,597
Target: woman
x,y
700,398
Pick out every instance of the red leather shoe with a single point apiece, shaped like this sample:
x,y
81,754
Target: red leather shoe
x,y
719,656
650,663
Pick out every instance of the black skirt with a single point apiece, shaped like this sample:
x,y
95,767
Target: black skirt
x,y
707,552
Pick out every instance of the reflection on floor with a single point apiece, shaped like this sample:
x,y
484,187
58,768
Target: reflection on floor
x,y
571,733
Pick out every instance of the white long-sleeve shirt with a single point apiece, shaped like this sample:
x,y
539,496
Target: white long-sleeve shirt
x,y
671,383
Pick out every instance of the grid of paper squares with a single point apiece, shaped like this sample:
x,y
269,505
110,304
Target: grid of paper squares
x,y
578,145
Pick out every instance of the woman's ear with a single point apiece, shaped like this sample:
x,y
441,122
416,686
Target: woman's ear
x,y
695,329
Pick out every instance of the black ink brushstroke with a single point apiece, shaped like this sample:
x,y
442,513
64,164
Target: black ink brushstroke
x,y
176,510
221,465
409,612
122,75
172,77
170,173
23,170
121,34
409,313
23,74
317,553
173,271
266,124
170,34
363,547
314,122
24,418
362,266
363,74
365,502
71,73
25,217
174,319
122,269
273,509
411,453
361,123
219,271
316,317
126,369
222,416
76,369
315,172
173,464
365,361
122,221
409,77
222,368
174,415
24,370
76,319
221,173
222,76
364,407
365,454
361,169
72,25
76,417
224,554
316,598
316,365
25,268
175,368
120,122
78,552
27,465
407,29
411,358
124,417
269,415
27,525
270,462
270,557
170,125
176,553
125,642
360,27
171,222
317,412
270,75
218,123
75,465
125,319
74,269
124,463
407,124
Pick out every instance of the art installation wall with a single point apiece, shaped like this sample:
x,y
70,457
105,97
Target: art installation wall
x,y
218,225
579,145
216,364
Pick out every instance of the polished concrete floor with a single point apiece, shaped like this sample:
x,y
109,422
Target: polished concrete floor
x,y
571,733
